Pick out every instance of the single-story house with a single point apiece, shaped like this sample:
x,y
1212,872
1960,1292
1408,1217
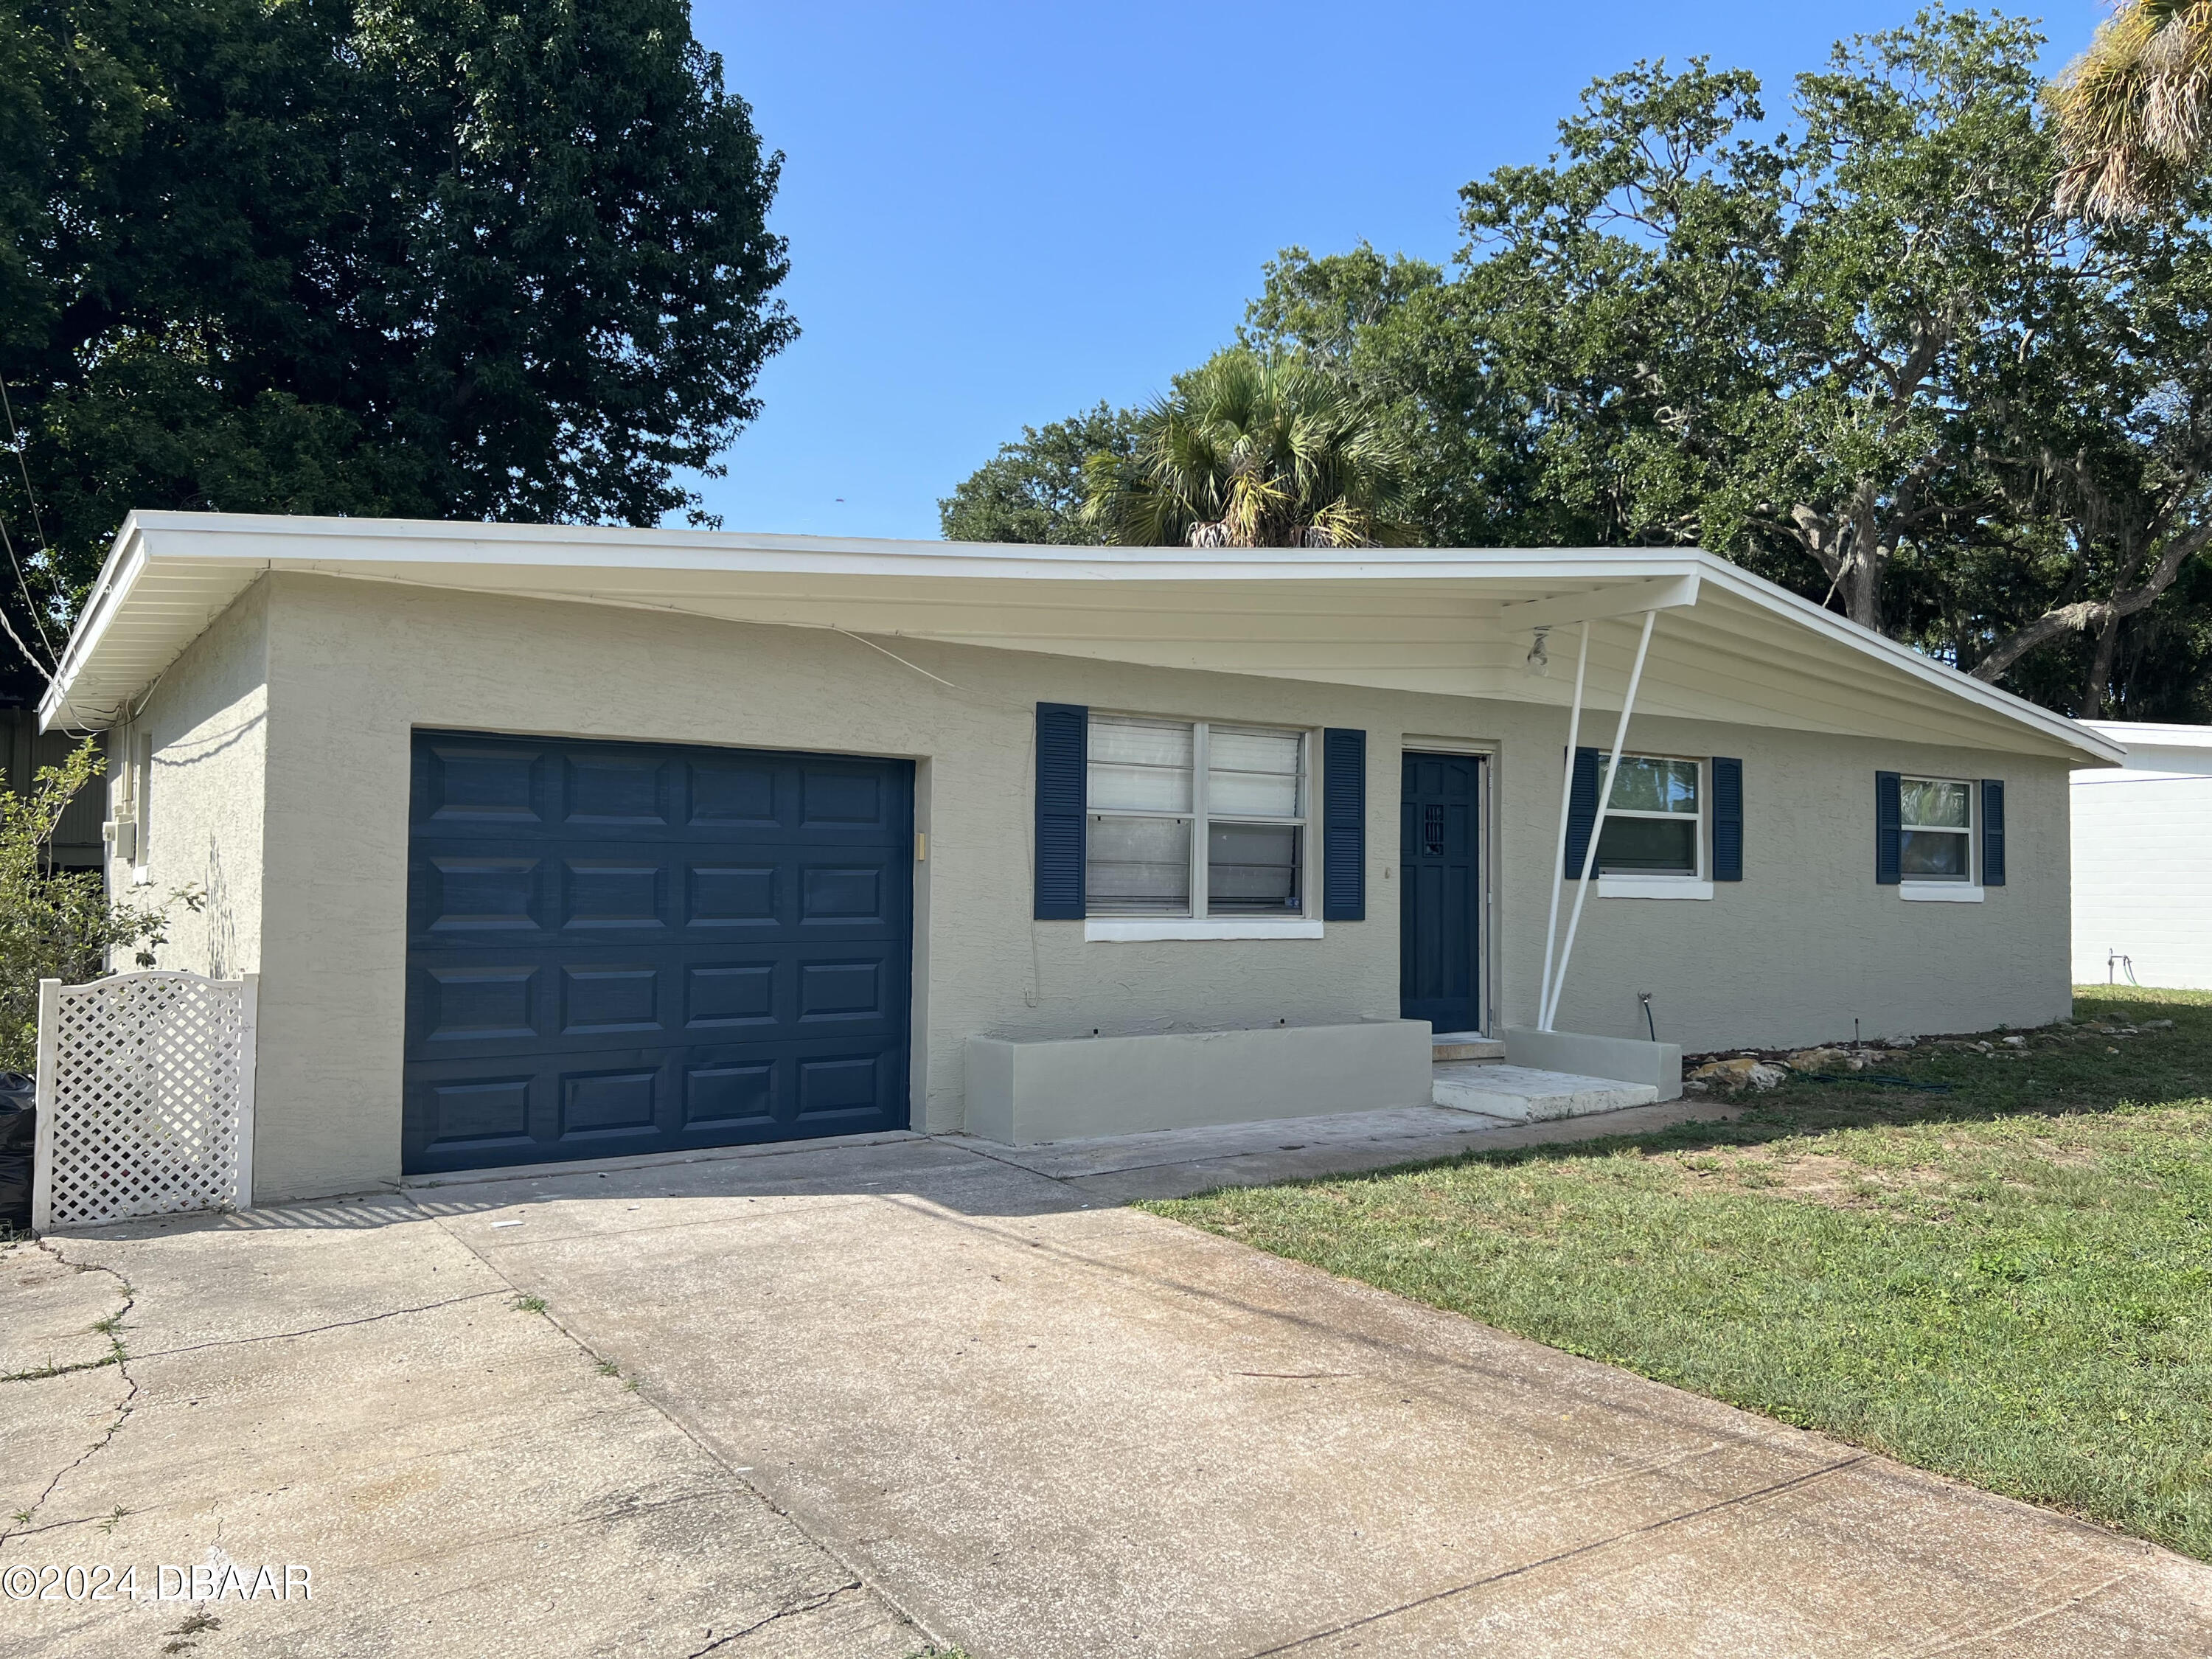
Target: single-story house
x,y
551,842
2142,859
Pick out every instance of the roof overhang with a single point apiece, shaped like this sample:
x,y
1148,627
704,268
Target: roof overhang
x,y
1728,646
2150,750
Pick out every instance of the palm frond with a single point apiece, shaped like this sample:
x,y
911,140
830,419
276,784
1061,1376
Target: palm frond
x,y
2133,113
1256,451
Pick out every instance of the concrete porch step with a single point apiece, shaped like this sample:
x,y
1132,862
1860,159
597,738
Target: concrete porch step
x,y
1464,1045
1521,1094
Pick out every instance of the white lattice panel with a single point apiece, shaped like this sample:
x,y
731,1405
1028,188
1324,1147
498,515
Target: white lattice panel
x,y
145,1097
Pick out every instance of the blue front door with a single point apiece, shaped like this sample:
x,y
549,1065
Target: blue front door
x,y
617,948
1440,892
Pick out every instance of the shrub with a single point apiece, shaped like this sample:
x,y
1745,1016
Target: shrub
x,y
59,924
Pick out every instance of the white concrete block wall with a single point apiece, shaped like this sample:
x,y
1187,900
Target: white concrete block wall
x,y
2143,860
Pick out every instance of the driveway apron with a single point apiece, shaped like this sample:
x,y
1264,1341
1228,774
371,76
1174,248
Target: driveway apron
x,y
1047,1427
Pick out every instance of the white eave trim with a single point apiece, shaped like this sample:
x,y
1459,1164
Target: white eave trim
x,y
1939,677
370,548
126,562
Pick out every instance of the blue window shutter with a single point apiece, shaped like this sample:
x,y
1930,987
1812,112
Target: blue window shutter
x,y
1888,819
1728,819
1581,810
1343,824
1993,832
1063,744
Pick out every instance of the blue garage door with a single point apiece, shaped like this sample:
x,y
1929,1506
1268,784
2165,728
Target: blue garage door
x,y
618,948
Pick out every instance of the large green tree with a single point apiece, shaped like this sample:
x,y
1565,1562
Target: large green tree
x,y
426,257
1033,489
1856,351
1850,343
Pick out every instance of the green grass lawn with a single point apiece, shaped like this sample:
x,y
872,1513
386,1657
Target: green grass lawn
x,y
2007,1283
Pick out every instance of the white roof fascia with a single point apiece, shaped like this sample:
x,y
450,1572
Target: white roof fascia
x,y
2154,751
126,562
2145,734
212,558
1938,676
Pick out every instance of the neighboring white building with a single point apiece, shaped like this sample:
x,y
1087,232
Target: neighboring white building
x,y
552,842
2143,859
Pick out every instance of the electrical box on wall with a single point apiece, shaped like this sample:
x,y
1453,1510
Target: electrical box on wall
x,y
121,835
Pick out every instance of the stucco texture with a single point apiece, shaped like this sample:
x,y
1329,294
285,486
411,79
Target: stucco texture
x,y
208,718
1803,945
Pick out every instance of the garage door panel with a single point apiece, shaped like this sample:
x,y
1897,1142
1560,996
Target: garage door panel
x,y
616,789
732,793
730,997
469,1114
728,893
625,891
477,1004
847,895
471,1003
610,1103
622,947
467,891
739,1094
470,781
840,1093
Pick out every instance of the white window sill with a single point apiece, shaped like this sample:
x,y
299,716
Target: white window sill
x,y
1939,892
1146,929
1653,887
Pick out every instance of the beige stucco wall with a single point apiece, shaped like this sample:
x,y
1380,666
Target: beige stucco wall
x,y
208,716
1804,944
1807,942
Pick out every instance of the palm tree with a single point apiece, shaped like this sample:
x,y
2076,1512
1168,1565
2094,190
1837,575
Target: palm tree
x,y
1253,451
2131,111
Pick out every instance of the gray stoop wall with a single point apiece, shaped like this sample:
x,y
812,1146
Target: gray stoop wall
x,y
1024,1090
1659,1065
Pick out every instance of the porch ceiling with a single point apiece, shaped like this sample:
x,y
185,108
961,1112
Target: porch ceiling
x,y
1437,620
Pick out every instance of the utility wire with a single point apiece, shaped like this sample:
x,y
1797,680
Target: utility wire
x,y
31,498
43,673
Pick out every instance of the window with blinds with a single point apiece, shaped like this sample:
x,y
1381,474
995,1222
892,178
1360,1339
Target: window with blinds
x,y
1190,818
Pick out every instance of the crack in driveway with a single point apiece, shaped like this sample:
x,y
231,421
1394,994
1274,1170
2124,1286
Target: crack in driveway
x,y
118,1358
1649,1526
313,1330
788,1611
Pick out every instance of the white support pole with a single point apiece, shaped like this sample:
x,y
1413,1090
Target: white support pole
x,y
1597,827
249,1038
42,1157
1566,803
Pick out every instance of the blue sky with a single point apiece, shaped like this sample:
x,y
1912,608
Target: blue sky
x,y
1001,214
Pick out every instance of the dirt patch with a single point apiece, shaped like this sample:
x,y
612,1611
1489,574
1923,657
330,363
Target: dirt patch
x,y
1810,1177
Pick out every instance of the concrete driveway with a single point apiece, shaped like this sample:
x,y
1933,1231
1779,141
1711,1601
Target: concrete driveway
x,y
856,1401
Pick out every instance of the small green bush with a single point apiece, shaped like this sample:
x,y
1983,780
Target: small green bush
x,y
59,924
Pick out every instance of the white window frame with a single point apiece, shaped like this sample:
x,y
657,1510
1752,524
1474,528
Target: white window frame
x,y
1942,890
1697,884
1199,923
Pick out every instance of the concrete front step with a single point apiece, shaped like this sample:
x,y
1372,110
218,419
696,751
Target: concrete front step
x,y
1464,1045
1521,1094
